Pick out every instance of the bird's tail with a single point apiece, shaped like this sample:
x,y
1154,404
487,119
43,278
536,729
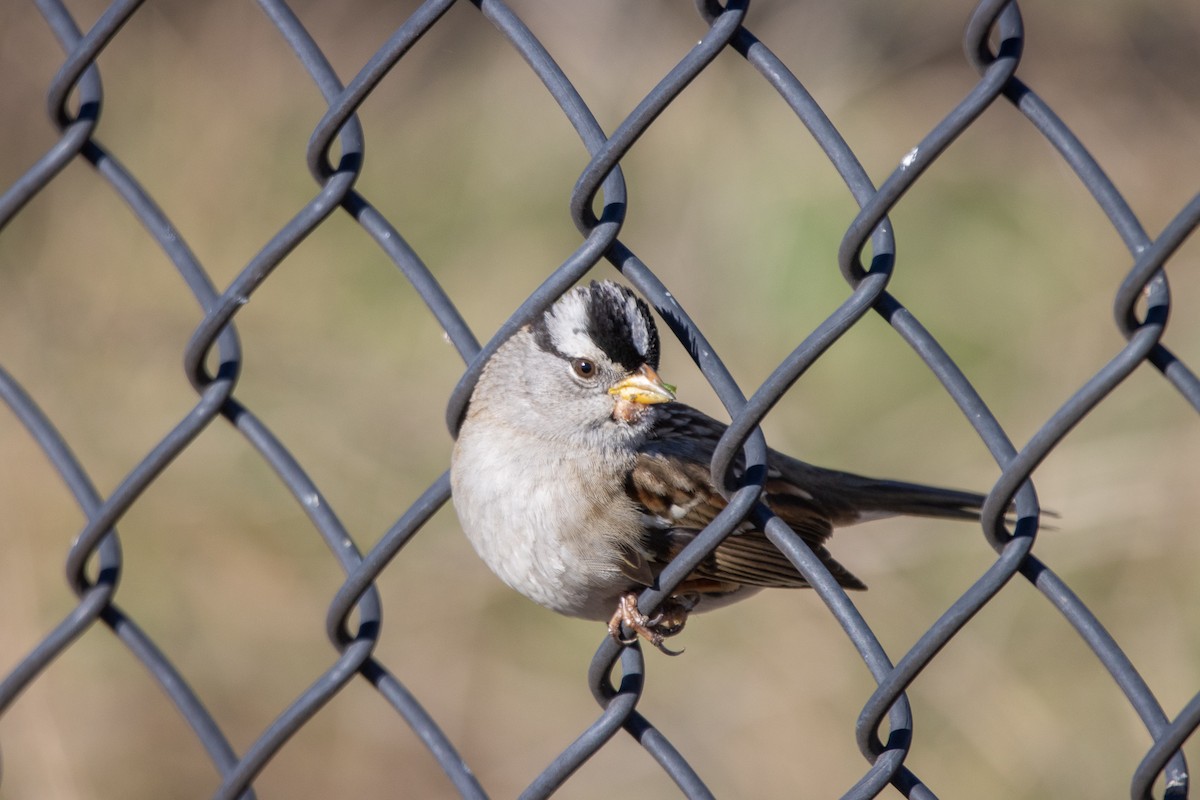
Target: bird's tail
x,y
850,498
890,498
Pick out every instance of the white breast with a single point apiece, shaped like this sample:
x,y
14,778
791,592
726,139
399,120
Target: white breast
x,y
542,534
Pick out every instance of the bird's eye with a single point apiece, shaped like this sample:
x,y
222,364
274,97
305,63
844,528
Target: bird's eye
x,y
584,368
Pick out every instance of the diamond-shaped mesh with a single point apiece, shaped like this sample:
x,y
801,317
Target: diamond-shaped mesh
x,y
445,206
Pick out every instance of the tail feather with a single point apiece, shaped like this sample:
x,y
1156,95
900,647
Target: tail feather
x,y
889,498
848,498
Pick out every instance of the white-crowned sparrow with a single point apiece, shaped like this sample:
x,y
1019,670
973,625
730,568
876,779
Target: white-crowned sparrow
x,y
577,478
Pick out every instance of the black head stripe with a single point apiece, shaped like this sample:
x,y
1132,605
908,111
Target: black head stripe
x,y
620,324
604,315
541,333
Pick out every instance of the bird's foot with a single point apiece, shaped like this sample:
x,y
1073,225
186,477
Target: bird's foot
x,y
669,621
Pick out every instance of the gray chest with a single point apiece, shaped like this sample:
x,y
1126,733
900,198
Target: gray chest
x,y
551,531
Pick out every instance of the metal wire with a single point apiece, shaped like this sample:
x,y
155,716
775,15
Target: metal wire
x,y
993,43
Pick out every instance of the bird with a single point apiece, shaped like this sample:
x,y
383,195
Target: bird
x,y
577,476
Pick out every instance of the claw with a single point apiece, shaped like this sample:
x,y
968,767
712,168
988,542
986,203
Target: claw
x,y
631,618
662,648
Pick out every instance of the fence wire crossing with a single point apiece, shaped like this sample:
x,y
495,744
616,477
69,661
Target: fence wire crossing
x,y
993,44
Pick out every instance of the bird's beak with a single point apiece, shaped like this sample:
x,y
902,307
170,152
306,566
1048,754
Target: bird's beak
x,y
644,387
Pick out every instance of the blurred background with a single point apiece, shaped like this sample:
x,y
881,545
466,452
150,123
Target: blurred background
x,y
1001,254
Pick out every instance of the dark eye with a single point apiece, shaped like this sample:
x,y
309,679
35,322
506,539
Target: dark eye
x,y
584,368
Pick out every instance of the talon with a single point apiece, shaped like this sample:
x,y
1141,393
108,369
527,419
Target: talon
x,y
662,648
667,622
627,613
624,641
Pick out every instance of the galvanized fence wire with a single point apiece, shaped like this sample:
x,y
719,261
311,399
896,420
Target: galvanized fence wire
x,y
993,44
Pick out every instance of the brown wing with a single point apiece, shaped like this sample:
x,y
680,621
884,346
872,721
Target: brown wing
x,y
672,484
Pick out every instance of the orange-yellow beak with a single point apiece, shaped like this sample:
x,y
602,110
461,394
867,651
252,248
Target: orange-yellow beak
x,y
644,387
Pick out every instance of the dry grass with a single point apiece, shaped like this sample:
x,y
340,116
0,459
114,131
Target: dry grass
x,y
1002,255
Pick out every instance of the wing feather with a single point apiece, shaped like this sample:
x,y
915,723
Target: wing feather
x,y
671,483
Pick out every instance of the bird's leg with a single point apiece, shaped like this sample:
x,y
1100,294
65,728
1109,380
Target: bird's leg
x,y
669,620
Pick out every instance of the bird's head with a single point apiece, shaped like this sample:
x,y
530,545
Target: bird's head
x,y
588,364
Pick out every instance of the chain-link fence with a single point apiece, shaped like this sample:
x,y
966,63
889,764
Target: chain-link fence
x,y
328,363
